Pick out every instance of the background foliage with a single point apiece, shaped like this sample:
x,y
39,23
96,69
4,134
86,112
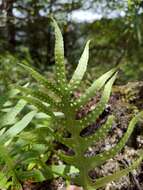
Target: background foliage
x,y
115,27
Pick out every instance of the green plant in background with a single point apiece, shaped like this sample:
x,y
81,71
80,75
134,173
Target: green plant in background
x,y
67,129
8,62
23,151
24,148
10,127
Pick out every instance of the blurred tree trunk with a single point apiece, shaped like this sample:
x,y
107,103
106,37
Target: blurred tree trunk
x,y
50,59
11,25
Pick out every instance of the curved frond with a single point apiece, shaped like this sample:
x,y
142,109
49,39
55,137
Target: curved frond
x,y
59,56
103,157
9,117
68,159
94,88
42,80
101,182
93,115
99,134
39,95
17,128
81,68
38,104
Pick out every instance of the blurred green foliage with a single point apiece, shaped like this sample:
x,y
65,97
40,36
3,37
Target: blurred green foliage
x,y
9,70
115,28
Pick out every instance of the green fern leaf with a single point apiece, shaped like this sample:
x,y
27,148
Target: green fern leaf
x,y
10,117
94,88
39,105
68,159
81,68
99,134
70,125
93,115
39,95
42,80
59,57
102,157
101,182
17,128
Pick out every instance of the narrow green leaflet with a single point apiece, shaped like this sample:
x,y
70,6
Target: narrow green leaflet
x,y
81,68
42,80
38,94
35,175
102,157
10,117
94,88
93,115
18,127
39,105
101,133
68,159
101,182
59,57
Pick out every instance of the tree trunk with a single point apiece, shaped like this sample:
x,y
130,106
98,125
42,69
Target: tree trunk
x,y
11,26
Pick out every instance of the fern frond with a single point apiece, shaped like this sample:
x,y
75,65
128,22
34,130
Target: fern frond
x,y
72,127
94,88
42,80
68,159
93,115
39,105
81,68
9,117
10,178
101,182
101,133
59,57
39,95
17,128
103,157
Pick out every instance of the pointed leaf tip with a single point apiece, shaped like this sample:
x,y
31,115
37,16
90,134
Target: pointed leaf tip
x,y
59,57
81,68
